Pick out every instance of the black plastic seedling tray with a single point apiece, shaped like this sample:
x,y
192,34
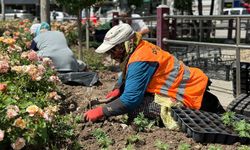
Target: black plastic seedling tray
x,y
240,105
205,127
244,77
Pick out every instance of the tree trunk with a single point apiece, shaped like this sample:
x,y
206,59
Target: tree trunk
x,y
3,9
45,11
79,27
87,28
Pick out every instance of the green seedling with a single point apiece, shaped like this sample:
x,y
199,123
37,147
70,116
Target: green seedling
x,y
161,146
212,147
102,138
243,147
143,123
133,139
243,128
129,147
228,117
184,146
78,118
124,119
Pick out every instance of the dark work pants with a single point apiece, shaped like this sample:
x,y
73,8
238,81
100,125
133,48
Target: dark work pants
x,y
211,103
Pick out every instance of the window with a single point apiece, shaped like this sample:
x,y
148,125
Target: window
x,y
225,12
235,12
245,12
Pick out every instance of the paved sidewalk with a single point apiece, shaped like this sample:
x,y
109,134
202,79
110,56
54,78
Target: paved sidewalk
x,y
223,90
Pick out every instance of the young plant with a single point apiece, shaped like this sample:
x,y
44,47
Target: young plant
x,y
143,123
243,128
133,139
212,147
227,118
161,146
124,119
243,147
102,138
184,146
129,147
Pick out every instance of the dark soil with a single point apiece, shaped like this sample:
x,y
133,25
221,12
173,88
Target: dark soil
x,y
77,100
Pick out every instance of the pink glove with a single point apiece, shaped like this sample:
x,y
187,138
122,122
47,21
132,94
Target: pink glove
x,y
93,114
112,94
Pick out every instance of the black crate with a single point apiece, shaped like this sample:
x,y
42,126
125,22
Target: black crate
x,y
244,77
205,127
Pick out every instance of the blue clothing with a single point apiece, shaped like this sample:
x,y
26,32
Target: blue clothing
x,y
44,25
138,77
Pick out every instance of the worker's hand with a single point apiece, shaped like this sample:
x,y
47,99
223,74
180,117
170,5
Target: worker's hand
x,y
113,94
93,114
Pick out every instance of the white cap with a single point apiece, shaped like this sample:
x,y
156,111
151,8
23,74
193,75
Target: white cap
x,y
34,27
116,35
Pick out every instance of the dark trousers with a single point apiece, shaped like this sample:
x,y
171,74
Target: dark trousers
x,y
211,103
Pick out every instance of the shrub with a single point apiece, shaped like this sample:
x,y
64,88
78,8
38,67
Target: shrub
x,y
94,60
29,99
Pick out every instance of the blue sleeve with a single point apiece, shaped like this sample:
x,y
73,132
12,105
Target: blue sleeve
x,y
33,46
138,77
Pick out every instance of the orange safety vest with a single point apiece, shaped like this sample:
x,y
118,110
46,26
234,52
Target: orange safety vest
x,y
172,78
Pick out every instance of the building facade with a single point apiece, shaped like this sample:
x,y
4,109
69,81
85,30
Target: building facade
x,y
30,6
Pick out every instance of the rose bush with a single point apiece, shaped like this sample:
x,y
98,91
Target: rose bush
x,y
29,99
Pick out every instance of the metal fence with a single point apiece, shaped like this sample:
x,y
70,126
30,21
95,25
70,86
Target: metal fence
x,y
168,32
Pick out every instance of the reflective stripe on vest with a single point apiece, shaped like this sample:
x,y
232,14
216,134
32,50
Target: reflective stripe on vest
x,y
182,86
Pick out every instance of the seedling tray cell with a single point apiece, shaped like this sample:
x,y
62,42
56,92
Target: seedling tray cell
x,y
205,127
240,105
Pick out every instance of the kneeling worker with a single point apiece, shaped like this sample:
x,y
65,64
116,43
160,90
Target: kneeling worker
x,y
152,80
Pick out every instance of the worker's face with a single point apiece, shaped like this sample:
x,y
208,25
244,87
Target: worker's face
x,y
118,53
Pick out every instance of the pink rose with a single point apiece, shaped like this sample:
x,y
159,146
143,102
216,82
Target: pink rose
x,y
54,95
4,66
47,62
1,135
12,111
32,56
55,79
19,144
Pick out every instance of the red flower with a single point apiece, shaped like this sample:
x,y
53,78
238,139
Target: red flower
x,y
21,23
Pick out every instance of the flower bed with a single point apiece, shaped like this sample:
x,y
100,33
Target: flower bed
x,y
29,99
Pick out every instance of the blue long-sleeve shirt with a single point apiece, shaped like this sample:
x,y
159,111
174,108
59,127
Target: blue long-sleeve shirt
x,y
138,77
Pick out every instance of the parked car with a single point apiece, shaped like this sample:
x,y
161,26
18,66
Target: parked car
x,y
235,11
59,16
17,14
